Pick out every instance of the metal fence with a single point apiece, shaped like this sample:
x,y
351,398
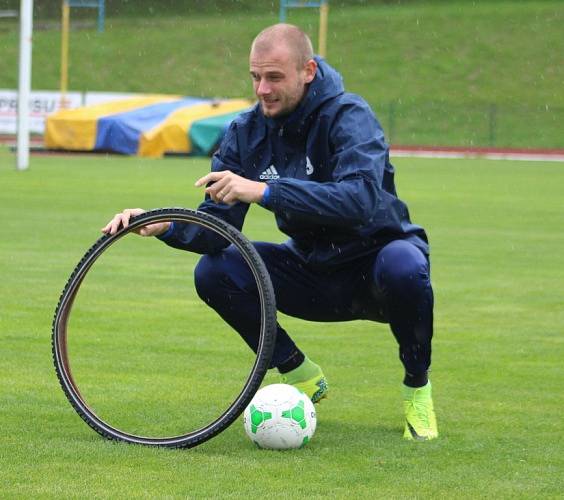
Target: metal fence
x,y
488,124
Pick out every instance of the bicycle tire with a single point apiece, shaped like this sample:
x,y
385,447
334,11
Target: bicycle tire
x,y
263,354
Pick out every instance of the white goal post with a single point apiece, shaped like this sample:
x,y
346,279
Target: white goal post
x,y
24,83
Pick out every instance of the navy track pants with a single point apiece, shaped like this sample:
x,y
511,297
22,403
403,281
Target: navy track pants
x,y
392,287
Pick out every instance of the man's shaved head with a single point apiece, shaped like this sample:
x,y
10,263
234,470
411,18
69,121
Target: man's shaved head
x,y
281,66
291,36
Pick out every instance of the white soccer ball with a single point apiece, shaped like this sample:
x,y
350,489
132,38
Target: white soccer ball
x,y
280,417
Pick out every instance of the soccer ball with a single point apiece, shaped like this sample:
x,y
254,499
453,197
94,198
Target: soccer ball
x,y
280,417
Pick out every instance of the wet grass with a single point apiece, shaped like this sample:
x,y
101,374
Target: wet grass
x,y
448,73
151,356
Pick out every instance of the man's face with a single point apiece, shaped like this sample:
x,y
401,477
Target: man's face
x,y
278,82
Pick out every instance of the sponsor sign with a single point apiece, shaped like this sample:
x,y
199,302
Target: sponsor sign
x,y
43,103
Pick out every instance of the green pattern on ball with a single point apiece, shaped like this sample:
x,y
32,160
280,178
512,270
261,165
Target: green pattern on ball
x,y
258,417
297,414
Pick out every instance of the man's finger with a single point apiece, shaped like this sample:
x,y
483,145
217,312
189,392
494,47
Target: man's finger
x,y
203,181
217,187
119,220
229,198
211,177
124,219
115,225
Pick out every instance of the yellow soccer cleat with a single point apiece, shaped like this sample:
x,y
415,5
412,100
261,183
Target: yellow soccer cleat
x,y
309,379
420,419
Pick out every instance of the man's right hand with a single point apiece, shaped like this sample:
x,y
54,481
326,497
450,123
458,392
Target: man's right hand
x,y
122,219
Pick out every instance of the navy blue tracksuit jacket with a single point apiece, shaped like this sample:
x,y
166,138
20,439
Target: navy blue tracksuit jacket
x,y
330,179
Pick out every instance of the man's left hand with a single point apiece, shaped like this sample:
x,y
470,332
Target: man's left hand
x,y
230,188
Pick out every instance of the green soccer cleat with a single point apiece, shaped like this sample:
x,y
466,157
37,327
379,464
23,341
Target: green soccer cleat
x,y
316,388
420,419
308,378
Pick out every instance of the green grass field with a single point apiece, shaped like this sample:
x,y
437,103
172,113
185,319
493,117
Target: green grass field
x,y
431,70
150,356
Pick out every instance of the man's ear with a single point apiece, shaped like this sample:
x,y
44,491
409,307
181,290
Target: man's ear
x,y
310,69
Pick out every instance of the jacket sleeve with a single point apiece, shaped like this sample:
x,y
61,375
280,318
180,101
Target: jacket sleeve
x,y
195,238
358,158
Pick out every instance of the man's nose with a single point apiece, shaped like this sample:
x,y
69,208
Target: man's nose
x,y
263,88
